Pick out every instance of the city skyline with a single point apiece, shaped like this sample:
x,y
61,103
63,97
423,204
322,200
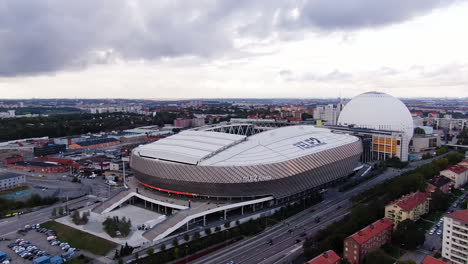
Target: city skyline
x,y
251,49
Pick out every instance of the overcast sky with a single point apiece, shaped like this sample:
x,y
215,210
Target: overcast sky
x,y
220,49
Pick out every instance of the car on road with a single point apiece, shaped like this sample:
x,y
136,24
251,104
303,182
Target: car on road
x,y
439,232
431,232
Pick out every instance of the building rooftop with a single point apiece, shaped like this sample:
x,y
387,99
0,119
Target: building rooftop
x,y
439,181
371,230
43,164
461,216
8,175
210,148
329,257
432,260
96,141
410,201
458,169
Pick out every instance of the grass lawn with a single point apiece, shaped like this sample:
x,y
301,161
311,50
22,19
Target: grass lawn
x,y
22,188
80,239
81,259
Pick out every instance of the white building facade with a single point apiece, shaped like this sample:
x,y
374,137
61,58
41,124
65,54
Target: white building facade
x,y
455,239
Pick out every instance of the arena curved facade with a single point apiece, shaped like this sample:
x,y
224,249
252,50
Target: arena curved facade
x,y
245,160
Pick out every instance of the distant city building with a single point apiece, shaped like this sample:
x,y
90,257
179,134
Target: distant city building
x,y
411,206
440,182
11,180
49,149
96,143
457,173
197,122
182,122
328,113
13,159
455,237
383,117
367,240
422,142
329,257
38,166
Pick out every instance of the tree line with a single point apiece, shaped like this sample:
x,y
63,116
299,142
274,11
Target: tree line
x,y
76,124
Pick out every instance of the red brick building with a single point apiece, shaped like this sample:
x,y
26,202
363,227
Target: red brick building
x,y
38,167
13,159
367,240
329,257
432,260
441,182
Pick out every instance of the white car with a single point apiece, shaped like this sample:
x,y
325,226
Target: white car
x,y
439,232
431,232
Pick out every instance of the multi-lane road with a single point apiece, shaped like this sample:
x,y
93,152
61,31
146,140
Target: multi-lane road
x,y
286,244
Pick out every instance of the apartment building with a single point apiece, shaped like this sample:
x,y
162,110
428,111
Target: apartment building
x,y
455,237
457,173
11,180
367,240
411,206
328,257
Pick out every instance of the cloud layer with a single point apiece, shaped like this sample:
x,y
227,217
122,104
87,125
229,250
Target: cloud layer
x,y
53,35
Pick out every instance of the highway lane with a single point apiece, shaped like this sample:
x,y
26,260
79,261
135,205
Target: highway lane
x,y
255,249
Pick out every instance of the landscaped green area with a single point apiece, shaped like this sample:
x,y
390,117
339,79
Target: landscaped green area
x,y
80,239
17,189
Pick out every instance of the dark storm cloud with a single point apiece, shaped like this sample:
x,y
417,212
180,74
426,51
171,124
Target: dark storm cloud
x,y
51,35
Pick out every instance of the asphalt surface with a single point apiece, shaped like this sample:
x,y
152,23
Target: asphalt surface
x,y
256,249
12,224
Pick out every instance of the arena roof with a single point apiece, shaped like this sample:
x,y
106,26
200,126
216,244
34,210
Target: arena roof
x,y
189,146
206,148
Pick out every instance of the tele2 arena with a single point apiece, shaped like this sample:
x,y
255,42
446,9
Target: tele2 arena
x,y
246,160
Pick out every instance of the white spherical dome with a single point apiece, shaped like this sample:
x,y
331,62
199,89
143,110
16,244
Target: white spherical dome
x,y
374,110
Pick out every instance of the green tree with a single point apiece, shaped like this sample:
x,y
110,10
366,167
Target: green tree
x,y
419,131
196,236
175,242
54,212
208,231
76,217
440,201
227,224
408,235
150,251
60,211
378,256
163,247
186,237
217,229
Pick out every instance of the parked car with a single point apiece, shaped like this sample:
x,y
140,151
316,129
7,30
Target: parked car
x,y
431,232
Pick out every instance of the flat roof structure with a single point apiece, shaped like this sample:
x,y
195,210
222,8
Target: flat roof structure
x,y
8,175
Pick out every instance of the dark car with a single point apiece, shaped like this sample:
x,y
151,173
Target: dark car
x,y
298,241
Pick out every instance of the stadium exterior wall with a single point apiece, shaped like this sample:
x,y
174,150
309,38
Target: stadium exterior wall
x,y
278,179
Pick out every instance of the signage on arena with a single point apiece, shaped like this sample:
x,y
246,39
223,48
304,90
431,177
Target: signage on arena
x,y
309,143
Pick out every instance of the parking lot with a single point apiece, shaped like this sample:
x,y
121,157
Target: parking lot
x,y
35,239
